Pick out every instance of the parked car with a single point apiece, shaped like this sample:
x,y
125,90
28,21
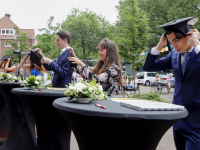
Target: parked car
x,y
146,78
163,77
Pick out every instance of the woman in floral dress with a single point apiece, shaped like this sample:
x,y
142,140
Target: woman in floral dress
x,y
107,70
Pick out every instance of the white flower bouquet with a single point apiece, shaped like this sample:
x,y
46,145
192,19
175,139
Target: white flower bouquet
x,y
6,77
35,82
92,90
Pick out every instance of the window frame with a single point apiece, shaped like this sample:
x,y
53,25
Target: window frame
x,y
7,44
9,31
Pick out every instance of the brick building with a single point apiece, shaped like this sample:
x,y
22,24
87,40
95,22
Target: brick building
x,y
7,32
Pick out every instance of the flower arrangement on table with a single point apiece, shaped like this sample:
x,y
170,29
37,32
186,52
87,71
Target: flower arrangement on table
x,y
92,90
36,82
6,77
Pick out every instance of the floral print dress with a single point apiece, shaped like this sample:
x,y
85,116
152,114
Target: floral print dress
x,y
108,79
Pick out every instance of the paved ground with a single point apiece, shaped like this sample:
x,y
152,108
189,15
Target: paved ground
x,y
166,142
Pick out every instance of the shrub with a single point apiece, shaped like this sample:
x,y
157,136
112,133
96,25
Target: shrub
x,y
149,96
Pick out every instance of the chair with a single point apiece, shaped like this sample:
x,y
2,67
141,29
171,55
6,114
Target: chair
x,y
156,87
126,89
159,87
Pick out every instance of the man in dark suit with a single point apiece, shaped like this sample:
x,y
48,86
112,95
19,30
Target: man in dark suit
x,y
184,59
60,66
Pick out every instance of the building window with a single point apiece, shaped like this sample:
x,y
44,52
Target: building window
x,y
7,31
11,31
7,44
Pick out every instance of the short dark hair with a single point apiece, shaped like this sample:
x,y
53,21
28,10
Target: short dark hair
x,y
65,35
178,34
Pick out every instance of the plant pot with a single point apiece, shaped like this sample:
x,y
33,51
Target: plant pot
x,y
40,88
83,100
31,88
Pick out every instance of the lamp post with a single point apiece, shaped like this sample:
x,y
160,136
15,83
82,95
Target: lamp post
x,y
19,57
152,38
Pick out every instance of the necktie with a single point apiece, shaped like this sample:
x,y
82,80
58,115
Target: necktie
x,y
185,60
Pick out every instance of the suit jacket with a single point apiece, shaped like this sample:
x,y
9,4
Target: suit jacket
x,y
187,85
62,70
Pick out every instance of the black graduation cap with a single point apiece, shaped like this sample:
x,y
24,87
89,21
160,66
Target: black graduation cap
x,y
36,58
181,26
5,57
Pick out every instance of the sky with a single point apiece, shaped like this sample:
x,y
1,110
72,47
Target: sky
x,y
33,14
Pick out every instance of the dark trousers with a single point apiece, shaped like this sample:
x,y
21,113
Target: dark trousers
x,y
186,137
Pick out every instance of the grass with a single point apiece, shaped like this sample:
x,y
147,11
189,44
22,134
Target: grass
x,y
150,96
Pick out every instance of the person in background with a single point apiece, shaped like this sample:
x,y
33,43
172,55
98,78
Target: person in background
x,y
132,83
7,66
78,78
73,80
107,70
33,68
156,82
156,79
170,81
125,80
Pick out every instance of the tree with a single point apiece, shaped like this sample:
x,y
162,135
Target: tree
x,y
87,29
161,12
133,31
47,40
22,39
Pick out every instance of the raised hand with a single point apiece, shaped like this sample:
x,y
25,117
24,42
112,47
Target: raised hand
x,y
40,52
193,37
75,60
73,53
162,43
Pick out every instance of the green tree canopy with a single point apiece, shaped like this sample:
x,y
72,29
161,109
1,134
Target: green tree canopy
x,y
133,31
47,40
87,29
161,12
22,39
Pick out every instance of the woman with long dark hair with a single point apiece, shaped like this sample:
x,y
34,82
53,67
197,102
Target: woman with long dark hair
x,y
7,66
107,70
34,69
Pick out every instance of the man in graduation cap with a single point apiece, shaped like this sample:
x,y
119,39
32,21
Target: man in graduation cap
x,y
60,66
184,59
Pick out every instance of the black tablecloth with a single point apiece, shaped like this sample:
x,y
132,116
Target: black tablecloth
x,y
116,127
21,135
53,131
4,117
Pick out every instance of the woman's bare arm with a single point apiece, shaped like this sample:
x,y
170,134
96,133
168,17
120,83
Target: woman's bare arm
x,y
22,63
13,68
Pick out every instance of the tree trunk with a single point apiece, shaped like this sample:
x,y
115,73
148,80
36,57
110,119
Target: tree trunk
x,y
83,44
134,76
134,80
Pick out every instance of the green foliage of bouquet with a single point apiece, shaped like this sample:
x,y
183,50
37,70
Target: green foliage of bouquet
x,y
35,82
92,90
8,77
4,77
